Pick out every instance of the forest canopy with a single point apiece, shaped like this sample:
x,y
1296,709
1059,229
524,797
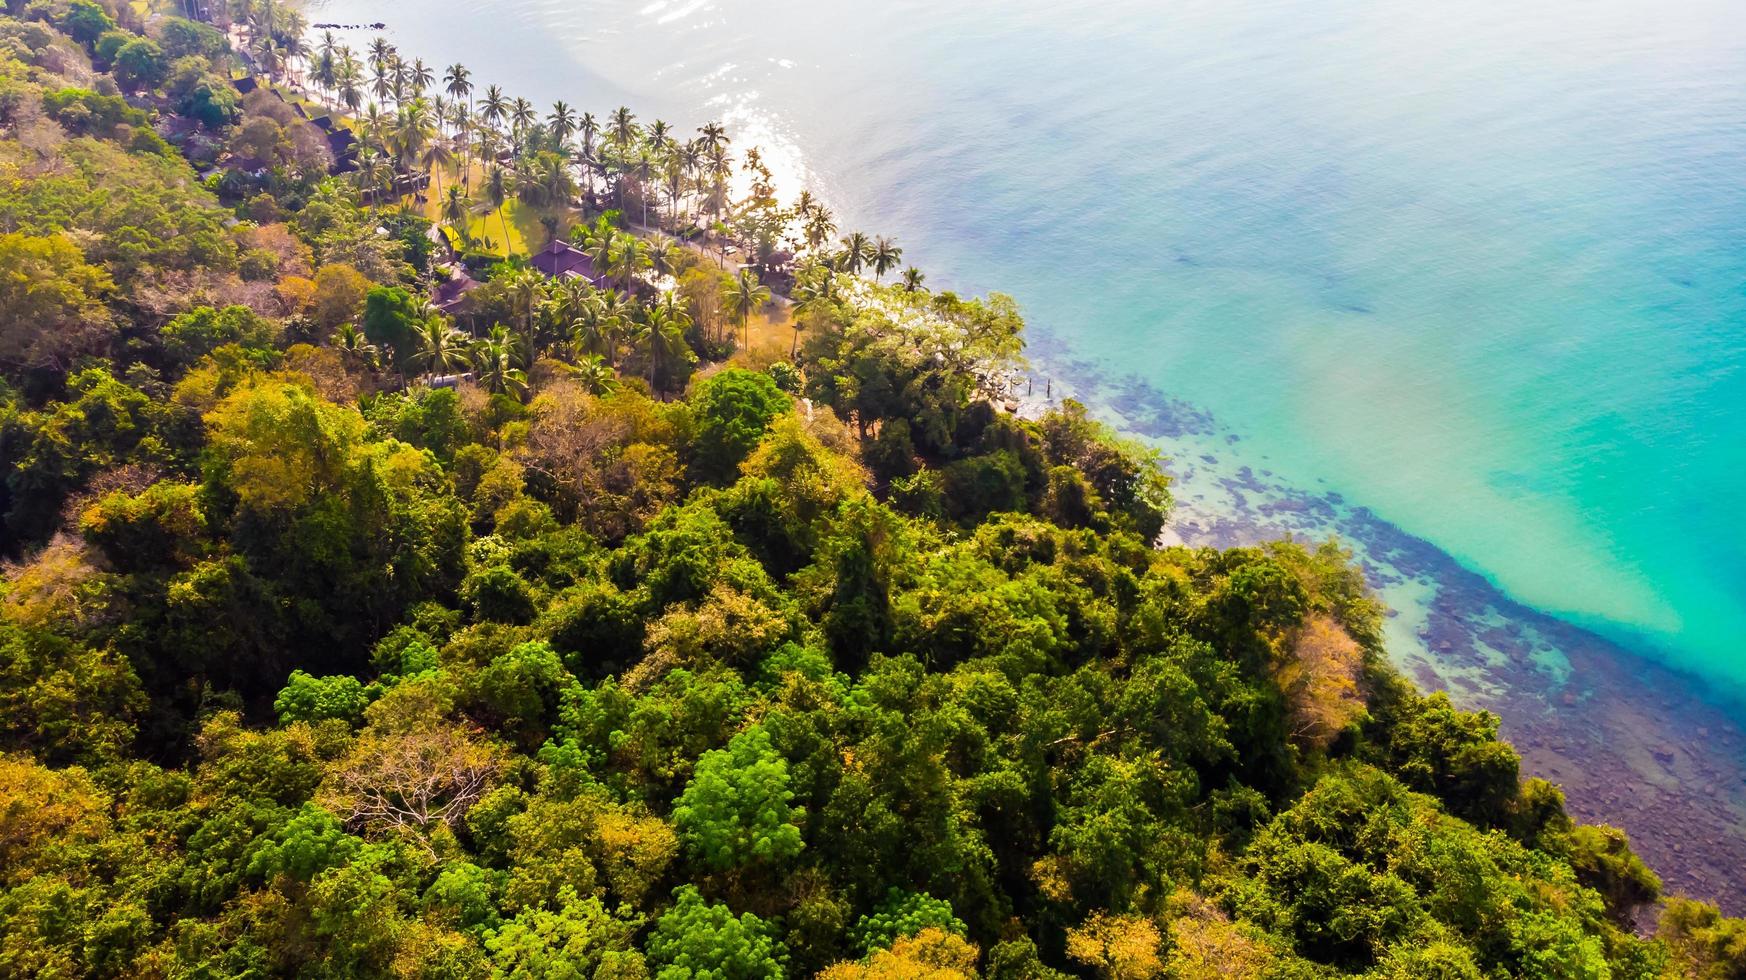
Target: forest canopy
x,y
569,632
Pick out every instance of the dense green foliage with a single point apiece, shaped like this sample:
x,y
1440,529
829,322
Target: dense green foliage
x,y
340,637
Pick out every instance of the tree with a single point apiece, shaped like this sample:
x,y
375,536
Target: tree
x,y
140,64
743,294
440,348
857,252
51,302
309,698
904,914
932,954
577,939
733,409
696,940
1321,679
192,335
412,779
496,193
400,324
735,811
1124,947
884,256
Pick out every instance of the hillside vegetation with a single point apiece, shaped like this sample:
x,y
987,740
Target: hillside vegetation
x,y
340,637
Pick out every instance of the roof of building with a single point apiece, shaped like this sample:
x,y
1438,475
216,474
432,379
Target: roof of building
x,y
450,293
560,259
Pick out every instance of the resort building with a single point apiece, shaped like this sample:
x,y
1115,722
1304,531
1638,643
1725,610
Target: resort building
x,y
561,260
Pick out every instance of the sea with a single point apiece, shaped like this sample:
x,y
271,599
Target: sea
x,y
1463,285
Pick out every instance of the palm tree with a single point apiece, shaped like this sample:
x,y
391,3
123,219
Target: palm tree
x,y
615,320
857,252
494,360
912,280
440,346
551,175
497,190
884,256
624,127
664,256
493,108
569,297
458,82
665,334
644,169
596,376
715,138
600,244
381,80
743,295
592,329
346,78
819,228
373,173
413,131
419,77
630,258
562,123
526,287
456,207
437,157
354,348
521,118
380,51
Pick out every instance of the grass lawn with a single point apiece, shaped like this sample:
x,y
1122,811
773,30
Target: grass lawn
x,y
523,223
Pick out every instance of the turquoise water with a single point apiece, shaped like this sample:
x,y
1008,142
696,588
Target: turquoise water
x,y
1478,267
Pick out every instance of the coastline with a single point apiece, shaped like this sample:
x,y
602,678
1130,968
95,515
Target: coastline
x,y
1631,742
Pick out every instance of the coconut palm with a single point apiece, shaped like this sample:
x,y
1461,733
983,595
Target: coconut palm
x,y
419,77
600,244
373,173
381,80
347,78
494,362
456,207
521,119
857,252
629,258
664,336
740,296
715,137
493,108
526,288
355,348
562,124
551,175
884,255
664,256
325,73
595,375
458,81
380,50
497,190
413,131
440,347
592,329
436,158
912,280
819,228
644,168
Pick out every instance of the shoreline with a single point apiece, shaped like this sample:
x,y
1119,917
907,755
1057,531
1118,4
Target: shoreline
x,y
1631,742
